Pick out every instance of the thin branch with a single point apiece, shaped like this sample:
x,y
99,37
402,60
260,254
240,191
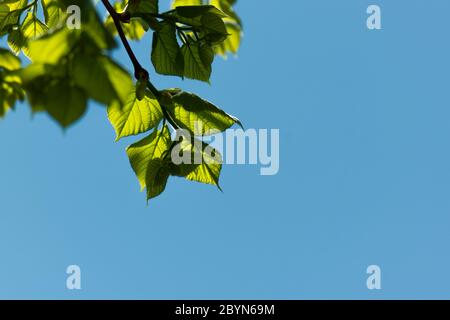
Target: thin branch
x,y
139,72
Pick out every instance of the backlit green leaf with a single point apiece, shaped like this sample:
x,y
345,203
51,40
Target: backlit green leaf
x,y
166,54
147,158
65,103
10,12
198,58
197,115
8,61
179,3
101,78
52,47
196,161
135,117
54,13
133,30
30,29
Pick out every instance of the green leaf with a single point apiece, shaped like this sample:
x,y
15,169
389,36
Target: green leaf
x,y
49,88
65,103
233,25
134,30
30,29
179,3
54,13
10,12
214,28
119,78
52,47
192,15
147,158
166,54
135,117
196,161
232,42
227,7
157,175
197,115
16,41
8,61
10,89
198,58
207,21
102,79
143,7
4,14
145,10
92,26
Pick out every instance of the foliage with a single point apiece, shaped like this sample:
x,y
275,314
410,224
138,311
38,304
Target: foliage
x,y
70,65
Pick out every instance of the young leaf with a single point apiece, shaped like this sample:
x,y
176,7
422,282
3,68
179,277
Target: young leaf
x,y
179,3
134,30
54,13
52,47
32,27
65,103
135,117
147,160
10,90
206,20
203,163
166,54
10,12
8,61
16,41
94,28
101,78
192,15
143,7
198,58
227,7
232,42
198,116
158,173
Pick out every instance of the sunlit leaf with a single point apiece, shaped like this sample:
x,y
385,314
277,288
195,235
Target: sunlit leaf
x,y
178,3
65,103
197,115
133,30
101,78
147,158
8,61
30,29
54,13
135,117
166,54
232,42
10,12
198,58
52,47
199,161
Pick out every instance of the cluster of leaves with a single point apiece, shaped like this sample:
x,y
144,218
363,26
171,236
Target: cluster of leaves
x,y
70,66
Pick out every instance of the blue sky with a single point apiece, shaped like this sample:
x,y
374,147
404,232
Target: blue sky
x,y
364,173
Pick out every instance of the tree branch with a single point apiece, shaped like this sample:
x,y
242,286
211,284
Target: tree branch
x,y
139,72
